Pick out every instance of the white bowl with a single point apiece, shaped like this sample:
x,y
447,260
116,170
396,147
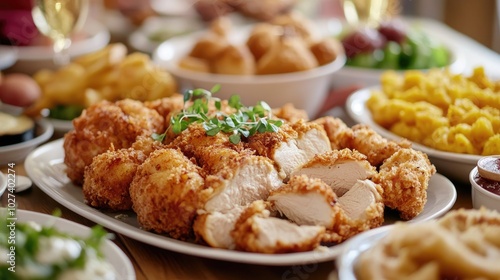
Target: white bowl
x,y
453,165
17,152
482,197
30,59
306,89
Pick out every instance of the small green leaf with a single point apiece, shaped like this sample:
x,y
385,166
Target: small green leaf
x,y
235,138
187,95
230,122
213,131
218,105
215,88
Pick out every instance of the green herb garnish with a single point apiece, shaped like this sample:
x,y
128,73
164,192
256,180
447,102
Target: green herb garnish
x,y
246,121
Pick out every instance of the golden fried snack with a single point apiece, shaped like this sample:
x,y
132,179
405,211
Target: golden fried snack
x,y
404,177
164,193
287,54
298,24
463,244
108,178
233,60
208,46
103,126
325,50
261,38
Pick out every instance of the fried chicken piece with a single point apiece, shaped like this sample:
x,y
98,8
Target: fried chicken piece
x,y
340,169
289,113
165,193
404,177
292,146
310,201
108,177
167,105
336,130
215,228
105,125
238,176
257,231
373,145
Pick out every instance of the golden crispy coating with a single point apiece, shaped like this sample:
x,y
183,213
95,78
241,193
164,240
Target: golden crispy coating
x,y
103,126
108,178
289,113
167,105
404,177
208,46
164,193
372,144
336,130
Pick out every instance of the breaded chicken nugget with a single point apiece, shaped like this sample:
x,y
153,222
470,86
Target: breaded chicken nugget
x,y
105,125
165,191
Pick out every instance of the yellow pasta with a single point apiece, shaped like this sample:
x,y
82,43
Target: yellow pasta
x,y
442,110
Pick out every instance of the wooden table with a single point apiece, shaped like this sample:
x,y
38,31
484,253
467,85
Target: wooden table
x,y
157,264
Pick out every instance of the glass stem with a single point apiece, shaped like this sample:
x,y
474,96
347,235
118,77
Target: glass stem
x,y
61,55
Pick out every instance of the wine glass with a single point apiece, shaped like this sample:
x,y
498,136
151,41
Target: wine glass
x,y
58,19
369,12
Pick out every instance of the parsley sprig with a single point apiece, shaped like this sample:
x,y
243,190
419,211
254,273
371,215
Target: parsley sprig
x,y
245,121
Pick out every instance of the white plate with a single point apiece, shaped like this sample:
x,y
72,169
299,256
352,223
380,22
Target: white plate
x,y
3,183
46,168
453,165
18,152
112,253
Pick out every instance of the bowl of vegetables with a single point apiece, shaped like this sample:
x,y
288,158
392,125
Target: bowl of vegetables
x,y
396,45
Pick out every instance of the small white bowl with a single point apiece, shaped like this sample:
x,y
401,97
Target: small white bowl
x,y
306,89
30,59
17,152
480,196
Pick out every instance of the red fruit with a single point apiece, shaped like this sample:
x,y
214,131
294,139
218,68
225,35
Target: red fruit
x,y
363,40
394,30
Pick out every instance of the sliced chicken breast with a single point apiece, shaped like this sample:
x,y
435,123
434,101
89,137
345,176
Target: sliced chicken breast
x,y
306,201
215,228
292,146
241,180
340,169
257,231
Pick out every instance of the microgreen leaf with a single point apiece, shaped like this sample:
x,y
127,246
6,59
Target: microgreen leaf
x,y
245,121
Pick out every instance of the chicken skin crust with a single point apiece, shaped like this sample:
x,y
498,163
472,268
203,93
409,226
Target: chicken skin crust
x,y
108,178
404,178
164,193
105,125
